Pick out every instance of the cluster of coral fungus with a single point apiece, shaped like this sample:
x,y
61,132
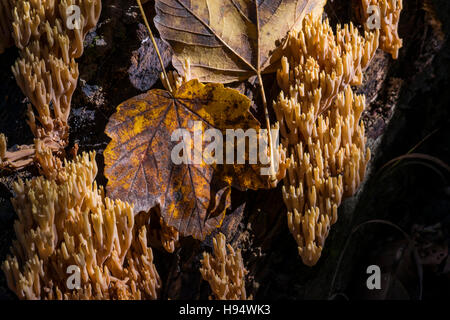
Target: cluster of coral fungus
x,y
50,37
224,271
320,125
384,15
66,224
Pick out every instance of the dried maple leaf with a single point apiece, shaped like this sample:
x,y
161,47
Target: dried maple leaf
x,y
138,161
229,40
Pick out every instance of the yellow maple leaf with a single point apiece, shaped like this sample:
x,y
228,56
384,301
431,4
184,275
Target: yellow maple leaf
x,y
139,163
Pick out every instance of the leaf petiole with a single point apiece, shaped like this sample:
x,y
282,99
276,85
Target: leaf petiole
x,y
155,45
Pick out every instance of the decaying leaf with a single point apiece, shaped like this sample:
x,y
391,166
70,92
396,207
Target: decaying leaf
x,y
138,162
229,40
251,175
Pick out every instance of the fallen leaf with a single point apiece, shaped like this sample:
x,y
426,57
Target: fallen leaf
x,y
244,177
229,40
138,161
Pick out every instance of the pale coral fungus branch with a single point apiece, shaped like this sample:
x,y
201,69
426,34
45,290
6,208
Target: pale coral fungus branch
x,y
50,40
225,271
160,234
66,223
385,16
320,125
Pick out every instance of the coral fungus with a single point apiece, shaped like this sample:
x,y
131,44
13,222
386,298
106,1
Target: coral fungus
x,y
320,125
50,36
384,15
224,271
69,223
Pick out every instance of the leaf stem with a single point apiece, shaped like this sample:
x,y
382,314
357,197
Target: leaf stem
x,y
155,45
266,114
263,95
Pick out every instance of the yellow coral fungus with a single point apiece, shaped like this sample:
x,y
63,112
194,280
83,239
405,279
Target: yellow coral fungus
x,y
224,271
69,225
50,36
160,234
322,65
320,125
329,165
384,15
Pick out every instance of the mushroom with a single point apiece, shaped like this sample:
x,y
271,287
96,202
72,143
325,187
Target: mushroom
x,y
67,224
319,120
385,16
46,70
224,271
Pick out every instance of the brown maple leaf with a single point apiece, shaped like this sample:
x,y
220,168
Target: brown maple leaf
x,y
229,40
138,162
